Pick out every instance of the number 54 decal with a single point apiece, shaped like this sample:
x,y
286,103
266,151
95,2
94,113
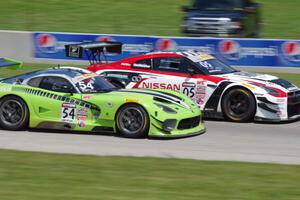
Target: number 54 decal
x,y
68,112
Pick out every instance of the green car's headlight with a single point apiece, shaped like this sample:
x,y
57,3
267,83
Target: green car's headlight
x,y
166,108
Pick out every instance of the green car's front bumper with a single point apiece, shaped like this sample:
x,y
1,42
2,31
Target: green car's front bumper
x,y
184,123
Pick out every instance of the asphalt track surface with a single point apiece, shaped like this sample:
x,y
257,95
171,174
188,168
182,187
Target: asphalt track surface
x,y
251,142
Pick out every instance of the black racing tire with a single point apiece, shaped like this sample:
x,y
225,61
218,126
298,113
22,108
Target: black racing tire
x,y
14,114
238,105
132,121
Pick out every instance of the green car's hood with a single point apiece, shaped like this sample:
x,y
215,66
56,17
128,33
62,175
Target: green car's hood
x,y
139,95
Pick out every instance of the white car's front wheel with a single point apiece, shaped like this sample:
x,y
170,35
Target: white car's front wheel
x,y
238,105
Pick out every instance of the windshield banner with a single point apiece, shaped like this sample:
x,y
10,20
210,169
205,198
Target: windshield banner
x,y
237,52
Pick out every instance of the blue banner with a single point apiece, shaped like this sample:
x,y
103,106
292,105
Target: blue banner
x,y
239,52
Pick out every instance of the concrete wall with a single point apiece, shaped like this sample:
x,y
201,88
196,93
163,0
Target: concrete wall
x,y
16,45
19,45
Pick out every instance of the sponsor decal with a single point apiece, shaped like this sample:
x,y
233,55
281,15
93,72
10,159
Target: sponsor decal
x,y
115,75
68,112
201,87
104,39
46,43
200,99
5,88
204,57
166,45
208,49
82,77
166,86
200,92
81,124
132,100
74,51
144,66
232,50
82,114
132,48
188,84
291,51
137,48
86,97
281,100
126,64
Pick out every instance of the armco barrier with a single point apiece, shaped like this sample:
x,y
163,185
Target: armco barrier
x,y
238,52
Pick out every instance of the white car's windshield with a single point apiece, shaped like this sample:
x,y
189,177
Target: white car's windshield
x,y
214,67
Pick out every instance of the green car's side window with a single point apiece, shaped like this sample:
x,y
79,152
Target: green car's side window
x,y
35,82
55,84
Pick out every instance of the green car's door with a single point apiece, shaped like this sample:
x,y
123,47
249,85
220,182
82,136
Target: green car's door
x,y
51,102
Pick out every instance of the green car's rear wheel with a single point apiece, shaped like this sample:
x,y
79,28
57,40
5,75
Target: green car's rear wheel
x,y
132,121
13,113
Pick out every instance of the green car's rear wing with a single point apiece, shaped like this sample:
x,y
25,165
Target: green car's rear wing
x,y
11,63
94,51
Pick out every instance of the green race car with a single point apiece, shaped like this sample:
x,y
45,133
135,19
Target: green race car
x,y
69,98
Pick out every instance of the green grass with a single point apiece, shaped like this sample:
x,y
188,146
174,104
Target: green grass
x,y
30,176
158,17
6,71
294,78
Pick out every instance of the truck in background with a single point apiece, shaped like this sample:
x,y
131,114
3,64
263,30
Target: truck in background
x,y
222,18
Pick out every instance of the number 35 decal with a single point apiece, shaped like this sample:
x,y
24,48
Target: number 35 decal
x,y
68,112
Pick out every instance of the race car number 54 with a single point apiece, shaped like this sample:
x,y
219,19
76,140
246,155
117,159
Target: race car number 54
x,y
68,112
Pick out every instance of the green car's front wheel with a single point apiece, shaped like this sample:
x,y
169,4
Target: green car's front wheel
x,y
13,113
132,121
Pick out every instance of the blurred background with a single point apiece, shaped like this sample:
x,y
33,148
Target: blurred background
x,y
279,19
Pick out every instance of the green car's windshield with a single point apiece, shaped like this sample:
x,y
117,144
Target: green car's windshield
x,y
214,67
94,84
218,4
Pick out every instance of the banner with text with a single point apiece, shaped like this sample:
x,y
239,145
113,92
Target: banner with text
x,y
239,52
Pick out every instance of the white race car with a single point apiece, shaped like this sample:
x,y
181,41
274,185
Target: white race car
x,y
218,89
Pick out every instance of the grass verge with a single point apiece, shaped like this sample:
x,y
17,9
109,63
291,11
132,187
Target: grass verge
x,y
158,17
293,78
30,176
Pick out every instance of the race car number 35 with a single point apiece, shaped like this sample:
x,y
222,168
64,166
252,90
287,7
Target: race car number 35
x,y
68,112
